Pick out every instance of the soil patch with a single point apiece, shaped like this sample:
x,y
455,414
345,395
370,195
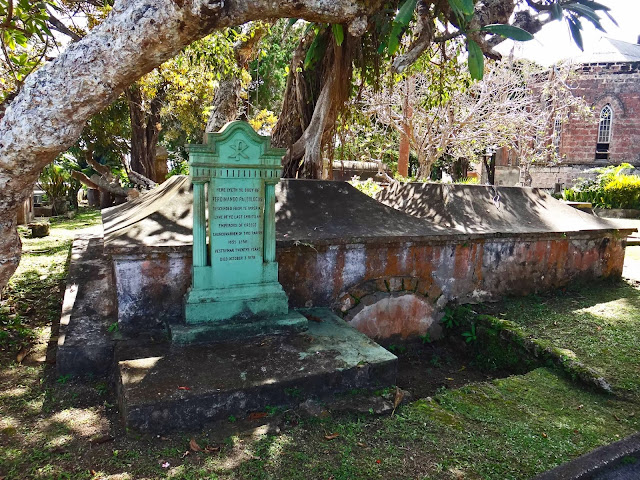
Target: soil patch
x,y
425,369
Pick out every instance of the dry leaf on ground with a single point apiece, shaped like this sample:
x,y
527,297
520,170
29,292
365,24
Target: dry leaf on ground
x,y
193,445
98,439
22,354
332,436
398,398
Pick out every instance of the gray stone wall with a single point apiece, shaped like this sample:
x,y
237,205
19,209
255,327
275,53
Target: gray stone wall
x,y
547,177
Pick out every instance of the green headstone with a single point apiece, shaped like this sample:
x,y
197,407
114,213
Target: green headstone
x,y
235,290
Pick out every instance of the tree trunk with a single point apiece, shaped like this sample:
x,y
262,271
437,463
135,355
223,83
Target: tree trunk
x,y
405,137
226,103
312,101
490,167
48,114
145,131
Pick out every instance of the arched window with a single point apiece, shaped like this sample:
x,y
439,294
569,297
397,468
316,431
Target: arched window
x,y
604,133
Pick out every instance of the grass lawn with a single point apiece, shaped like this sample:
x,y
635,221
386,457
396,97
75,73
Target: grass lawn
x,y
599,323
510,428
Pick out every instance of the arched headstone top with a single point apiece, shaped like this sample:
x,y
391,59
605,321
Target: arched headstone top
x,y
238,148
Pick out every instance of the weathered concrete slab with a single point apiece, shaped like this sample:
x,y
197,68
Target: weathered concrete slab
x,y
604,463
163,388
323,212
85,346
482,209
292,322
162,216
307,211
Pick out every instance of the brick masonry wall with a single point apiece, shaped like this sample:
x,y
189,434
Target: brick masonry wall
x,y
601,84
384,289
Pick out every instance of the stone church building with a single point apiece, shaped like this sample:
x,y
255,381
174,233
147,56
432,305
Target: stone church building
x,y
608,78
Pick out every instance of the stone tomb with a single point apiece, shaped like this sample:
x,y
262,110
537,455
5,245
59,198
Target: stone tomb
x,y
264,351
387,271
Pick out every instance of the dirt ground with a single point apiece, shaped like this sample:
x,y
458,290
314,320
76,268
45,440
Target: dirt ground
x,y
426,369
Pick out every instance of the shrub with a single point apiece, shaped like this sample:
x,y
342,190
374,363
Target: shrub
x,y
623,192
613,187
368,186
54,181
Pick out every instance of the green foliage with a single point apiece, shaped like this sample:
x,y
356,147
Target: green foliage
x,y
54,180
368,186
317,48
187,85
13,331
272,410
293,392
449,319
178,164
426,338
102,388
64,378
270,69
475,60
470,335
397,349
468,181
577,10
463,8
400,25
455,315
338,33
508,31
105,137
613,187
623,191
24,37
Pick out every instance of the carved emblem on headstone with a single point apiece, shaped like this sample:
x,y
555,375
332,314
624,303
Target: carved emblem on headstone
x,y
239,149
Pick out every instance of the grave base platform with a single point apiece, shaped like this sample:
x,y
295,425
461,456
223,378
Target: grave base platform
x,y
217,305
220,331
169,387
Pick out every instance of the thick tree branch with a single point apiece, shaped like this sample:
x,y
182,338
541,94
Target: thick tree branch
x,y
58,26
98,167
424,39
141,180
113,187
82,178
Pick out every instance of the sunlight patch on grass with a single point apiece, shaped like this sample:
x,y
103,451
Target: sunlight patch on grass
x,y
80,421
13,392
614,311
600,323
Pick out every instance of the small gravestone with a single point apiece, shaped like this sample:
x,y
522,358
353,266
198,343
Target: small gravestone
x,y
235,290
